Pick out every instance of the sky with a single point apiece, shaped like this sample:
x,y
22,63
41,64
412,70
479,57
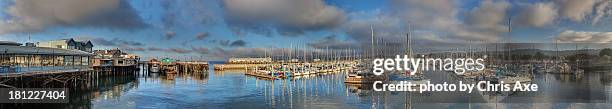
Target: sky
x,y
219,29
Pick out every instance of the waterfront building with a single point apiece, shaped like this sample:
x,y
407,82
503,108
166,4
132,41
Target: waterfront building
x,y
114,57
249,60
67,44
26,59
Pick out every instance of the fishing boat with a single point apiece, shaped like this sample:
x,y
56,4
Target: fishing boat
x,y
154,65
154,68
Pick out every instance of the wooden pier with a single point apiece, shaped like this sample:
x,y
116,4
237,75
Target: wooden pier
x,y
78,78
237,66
177,67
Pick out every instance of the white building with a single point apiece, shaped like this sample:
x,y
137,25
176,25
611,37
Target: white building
x,y
67,44
250,60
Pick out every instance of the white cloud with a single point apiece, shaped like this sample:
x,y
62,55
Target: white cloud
x,y
584,36
579,10
332,42
386,27
286,16
602,10
576,10
485,22
538,15
490,16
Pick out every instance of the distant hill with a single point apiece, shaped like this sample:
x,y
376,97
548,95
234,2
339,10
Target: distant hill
x,y
553,53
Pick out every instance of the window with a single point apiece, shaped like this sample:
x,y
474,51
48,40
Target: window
x,y
59,60
84,60
68,60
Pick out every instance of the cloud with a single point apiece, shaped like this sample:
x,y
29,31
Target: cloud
x,y
579,10
221,53
173,50
103,42
228,43
179,50
576,10
202,36
386,27
155,49
432,14
135,49
200,50
538,15
115,42
332,43
186,13
37,15
198,37
129,43
442,16
238,43
169,14
584,36
602,10
222,42
287,17
489,16
169,35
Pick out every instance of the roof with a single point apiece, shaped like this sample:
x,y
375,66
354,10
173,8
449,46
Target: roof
x,y
9,43
5,49
73,42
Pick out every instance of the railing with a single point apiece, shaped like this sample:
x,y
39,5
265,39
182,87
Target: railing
x,y
16,69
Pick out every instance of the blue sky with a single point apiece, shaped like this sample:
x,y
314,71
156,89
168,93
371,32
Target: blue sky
x,y
218,29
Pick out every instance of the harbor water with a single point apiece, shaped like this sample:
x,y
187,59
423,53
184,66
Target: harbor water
x,y
233,89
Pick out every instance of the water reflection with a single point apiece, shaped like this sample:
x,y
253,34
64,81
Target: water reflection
x,y
232,89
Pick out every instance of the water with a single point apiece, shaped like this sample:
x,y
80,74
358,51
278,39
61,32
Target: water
x,y
232,89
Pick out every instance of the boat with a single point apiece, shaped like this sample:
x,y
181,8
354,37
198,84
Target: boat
x,y
154,66
363,76
414,79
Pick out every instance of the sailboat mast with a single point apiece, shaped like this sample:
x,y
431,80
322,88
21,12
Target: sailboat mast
x,y
372,47
409,41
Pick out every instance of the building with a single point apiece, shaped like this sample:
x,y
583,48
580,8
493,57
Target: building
x,y
114,57
24,59
30,44
249,60
67,44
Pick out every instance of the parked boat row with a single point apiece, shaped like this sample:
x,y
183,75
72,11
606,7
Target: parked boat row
x,y
282,71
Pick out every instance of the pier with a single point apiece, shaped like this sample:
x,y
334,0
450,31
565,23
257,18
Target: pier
x,y
42,67
169,66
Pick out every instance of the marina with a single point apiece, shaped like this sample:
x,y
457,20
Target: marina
x,y
216,89
335,72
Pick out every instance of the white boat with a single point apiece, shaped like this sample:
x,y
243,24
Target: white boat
x,y
412,79
154,68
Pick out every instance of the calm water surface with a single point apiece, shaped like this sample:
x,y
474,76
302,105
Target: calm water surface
x,y
232,89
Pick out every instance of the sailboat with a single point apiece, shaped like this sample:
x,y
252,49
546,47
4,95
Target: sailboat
x,y
362,74
418,78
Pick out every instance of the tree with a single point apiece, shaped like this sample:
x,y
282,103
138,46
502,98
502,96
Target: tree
x,y
605,51
539,56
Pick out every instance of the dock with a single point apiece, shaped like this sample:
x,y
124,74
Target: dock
x,y
170,66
